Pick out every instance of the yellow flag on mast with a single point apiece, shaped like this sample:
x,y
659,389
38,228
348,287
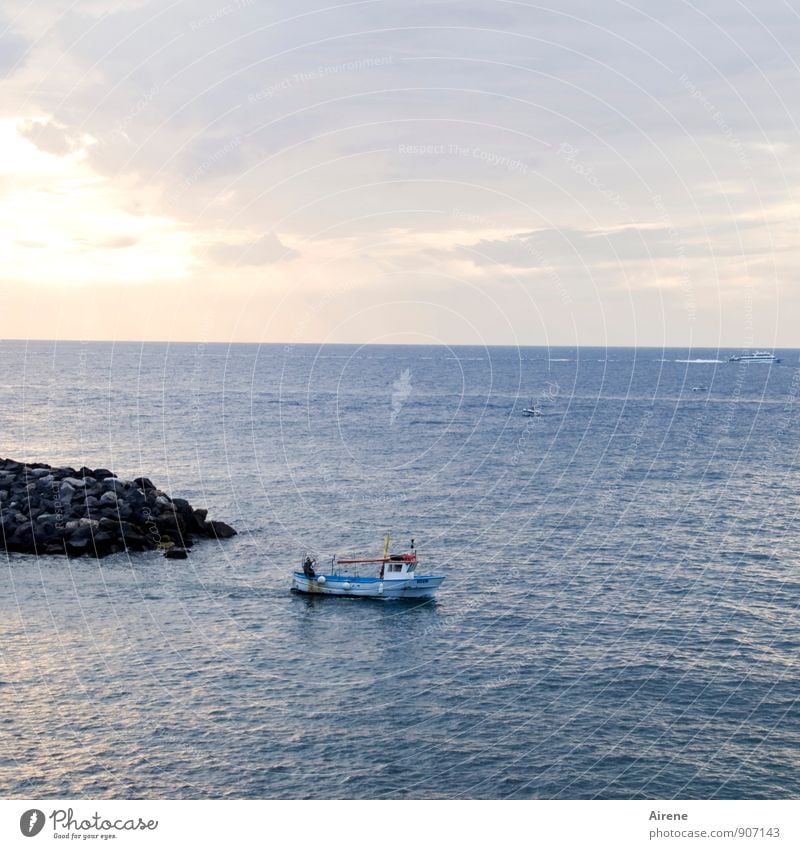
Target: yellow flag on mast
x,y
386,547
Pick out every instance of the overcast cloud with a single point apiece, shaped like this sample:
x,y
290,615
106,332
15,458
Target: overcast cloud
x,y
596,173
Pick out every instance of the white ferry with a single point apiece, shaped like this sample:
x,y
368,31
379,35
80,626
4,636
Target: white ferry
x,y
757,357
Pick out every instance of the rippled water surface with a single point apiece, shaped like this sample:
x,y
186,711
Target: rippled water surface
x,y
619,619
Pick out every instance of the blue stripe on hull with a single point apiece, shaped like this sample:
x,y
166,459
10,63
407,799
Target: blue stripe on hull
x,y
421,587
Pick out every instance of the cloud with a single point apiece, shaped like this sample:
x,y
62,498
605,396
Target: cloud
x,y
264,251
115,242
47,136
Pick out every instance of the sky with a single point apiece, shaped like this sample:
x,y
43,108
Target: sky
x,y
493,172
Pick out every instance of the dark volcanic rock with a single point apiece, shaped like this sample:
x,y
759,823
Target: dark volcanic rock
x,y
182,506
219,530
21,537
46,510
79,542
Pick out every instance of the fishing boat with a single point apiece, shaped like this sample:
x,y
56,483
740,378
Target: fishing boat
x,y
532,409
757,357
393,576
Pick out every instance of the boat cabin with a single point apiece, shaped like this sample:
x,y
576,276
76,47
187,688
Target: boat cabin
x,y
399,566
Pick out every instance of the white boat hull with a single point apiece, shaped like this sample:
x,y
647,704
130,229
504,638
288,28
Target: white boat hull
x,y
423,586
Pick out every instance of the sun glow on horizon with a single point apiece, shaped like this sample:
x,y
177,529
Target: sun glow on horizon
x,y
63,223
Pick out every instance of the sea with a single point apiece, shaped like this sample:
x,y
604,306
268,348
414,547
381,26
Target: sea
x,y
619,617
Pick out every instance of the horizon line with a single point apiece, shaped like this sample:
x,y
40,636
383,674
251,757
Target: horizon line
x,y
286,344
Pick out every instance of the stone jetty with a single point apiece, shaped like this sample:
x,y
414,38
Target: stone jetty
x,y
61,510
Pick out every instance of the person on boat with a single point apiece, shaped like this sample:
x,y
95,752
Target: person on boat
x,y
308,568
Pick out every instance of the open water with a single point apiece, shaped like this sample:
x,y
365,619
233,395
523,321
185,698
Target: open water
x,y
619,619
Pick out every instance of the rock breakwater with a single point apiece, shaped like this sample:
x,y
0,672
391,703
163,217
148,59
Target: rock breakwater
x,y
62,510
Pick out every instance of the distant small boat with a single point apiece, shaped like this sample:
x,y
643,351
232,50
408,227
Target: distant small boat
x,y
702,388
757,357
532,409
396,577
